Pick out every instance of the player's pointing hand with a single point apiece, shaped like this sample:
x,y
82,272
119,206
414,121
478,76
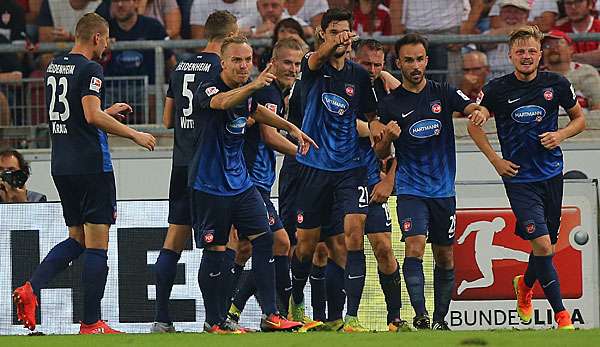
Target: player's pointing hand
x,y
265,78
304,141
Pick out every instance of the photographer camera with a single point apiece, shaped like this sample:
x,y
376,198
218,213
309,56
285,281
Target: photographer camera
x,y
14,172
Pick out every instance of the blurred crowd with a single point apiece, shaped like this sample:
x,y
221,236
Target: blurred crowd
x,y
468,66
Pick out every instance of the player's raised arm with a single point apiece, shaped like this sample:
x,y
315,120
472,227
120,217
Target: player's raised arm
x,y
276,141
229,99
334,43
95,116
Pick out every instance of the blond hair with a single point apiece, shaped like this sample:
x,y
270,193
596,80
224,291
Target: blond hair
x,y
525,33
89,25
233,40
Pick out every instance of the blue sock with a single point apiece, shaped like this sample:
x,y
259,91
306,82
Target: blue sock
x,y
283,283
546,273
356,269
210,282
390,285
318,292
412,269
247,288
443,283
263,266
336,296
93,278
530,276
165,269
300,272
56,261
227,271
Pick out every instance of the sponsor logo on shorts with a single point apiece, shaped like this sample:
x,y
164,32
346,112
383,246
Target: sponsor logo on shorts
x,y
209,236
426,128
528,114
334,103
406,224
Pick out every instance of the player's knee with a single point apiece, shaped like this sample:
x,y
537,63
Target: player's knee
x,y
383,253
244,251
320,255
444,258
355,223
414,247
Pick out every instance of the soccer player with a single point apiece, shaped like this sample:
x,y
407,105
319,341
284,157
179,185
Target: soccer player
x,y
82,171
260,142
525,104
419,122
179,106
378,226
334,92
223,194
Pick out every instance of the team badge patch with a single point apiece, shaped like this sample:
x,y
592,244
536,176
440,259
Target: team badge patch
x,y
271,107
300,217
208,236
350,90
530,227
95,84
406,224
548,94
271,220
436,107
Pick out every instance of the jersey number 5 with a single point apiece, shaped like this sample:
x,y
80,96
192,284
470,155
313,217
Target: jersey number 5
x,y
189,94
62,98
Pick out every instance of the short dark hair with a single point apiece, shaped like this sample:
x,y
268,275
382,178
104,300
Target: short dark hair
x,y
411,39
370,44
287,23
219,24
23,164
233,40
336,15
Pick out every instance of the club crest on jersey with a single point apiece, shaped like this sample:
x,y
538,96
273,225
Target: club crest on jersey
x,y
271,107
237,126
528,114
425,128
436,107
209,236
548,94
349,89
406,224
334,103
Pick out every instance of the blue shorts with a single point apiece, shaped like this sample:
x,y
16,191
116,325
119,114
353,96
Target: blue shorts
x,y
537,206
180,210
213,216
274,221
322,192
379,219
288,190
433,217
87,198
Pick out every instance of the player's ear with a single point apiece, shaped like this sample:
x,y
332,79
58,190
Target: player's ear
x,y
320,34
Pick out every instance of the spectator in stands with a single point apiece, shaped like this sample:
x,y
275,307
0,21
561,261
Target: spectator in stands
x,y
437,17
346,4
201,9
557,49
262,23
309,12
14,172
165,11
580,20
57,18
475,73
372,18
513,14
128,25
543,13
285,28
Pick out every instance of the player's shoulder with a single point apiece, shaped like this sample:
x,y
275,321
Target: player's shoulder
x,y
501,82
357,69
551,78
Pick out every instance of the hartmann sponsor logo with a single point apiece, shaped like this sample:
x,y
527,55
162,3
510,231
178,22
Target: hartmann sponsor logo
x,y
237,126
334,103
528,114
425,128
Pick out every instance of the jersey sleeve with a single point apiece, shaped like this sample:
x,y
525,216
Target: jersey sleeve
x,y
368,100
170,89
566,93
204,94
269,98
458,100
485,98
92,81
307,73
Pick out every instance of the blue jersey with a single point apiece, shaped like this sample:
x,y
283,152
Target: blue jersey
x,y
78,148
524,110
184,82
331,101
260,159
367,153
425,150
218,165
